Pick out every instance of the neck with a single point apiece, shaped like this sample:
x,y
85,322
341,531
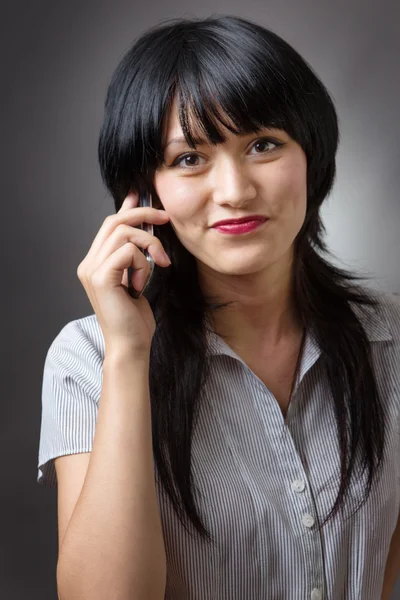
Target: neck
x,y
263,310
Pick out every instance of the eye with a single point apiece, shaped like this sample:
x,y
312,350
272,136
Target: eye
x,y
264,141
193,156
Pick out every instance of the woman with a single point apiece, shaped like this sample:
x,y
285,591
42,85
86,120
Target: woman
x,y
233,433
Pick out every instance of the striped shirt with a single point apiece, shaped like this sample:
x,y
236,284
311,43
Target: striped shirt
x,y
265,480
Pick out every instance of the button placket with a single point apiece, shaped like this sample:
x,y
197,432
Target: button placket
x,y
303,499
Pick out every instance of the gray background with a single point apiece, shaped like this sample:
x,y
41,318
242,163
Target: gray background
x,y
57,58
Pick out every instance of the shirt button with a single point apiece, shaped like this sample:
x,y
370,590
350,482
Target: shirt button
x,y
308,520
316,594
298,485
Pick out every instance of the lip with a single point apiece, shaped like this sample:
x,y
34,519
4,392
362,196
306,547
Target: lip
x,y
240,220
240,228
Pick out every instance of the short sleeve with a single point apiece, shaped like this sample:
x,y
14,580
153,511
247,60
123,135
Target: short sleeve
x,y
71,388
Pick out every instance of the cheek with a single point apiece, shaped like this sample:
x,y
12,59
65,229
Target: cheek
x,y
290,187
177,200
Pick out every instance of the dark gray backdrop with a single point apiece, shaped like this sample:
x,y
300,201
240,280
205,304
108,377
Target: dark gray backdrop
x,y
57,58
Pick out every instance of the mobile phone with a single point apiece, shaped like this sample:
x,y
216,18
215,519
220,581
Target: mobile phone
x,y
144,200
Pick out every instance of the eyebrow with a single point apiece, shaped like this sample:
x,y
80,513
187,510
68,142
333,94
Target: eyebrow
x,y
198,141
181,140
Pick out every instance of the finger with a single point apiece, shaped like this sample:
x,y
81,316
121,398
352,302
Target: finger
x,y
131,201
110,273
123,234
133,217
137,216
141,271
134,278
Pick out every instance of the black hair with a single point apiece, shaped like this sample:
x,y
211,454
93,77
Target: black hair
x,y
226,65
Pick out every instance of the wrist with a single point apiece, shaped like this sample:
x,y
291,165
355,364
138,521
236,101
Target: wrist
x,y
123,353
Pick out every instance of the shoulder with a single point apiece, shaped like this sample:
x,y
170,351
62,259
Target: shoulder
x,y
381,322
84,335
76,355
387,312
71,389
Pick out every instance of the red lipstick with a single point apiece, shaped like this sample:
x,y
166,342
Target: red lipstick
x,y
241,225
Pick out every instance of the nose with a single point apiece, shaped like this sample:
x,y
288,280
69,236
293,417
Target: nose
x,y
232,184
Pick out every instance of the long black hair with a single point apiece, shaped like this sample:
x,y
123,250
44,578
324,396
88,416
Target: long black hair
x,y
226,65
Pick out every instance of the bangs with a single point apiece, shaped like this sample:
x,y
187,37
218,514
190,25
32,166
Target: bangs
x,y
230,84
220,90
223,71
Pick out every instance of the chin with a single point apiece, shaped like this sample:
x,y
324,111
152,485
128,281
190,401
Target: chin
x,y
241,270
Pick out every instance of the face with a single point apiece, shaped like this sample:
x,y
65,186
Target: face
x,y
261,174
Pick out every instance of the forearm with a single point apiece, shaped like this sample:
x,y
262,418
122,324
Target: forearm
x,y
113,546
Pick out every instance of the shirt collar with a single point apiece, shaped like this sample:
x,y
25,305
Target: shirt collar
x,y
375,328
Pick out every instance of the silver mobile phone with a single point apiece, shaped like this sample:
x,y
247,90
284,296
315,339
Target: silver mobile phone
x,y
144,200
